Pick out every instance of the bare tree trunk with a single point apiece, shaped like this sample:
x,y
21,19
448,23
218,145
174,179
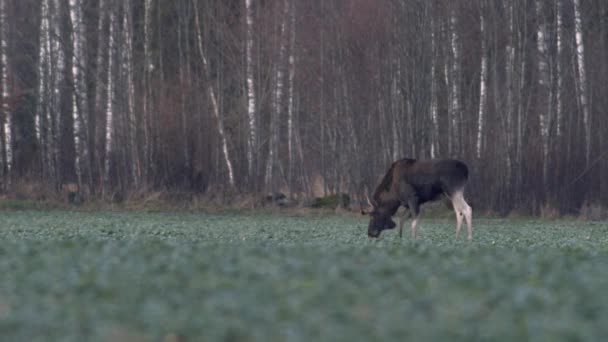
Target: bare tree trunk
x,y
290,103
558,65
182,83
454,89
434,100
252,139
603,123
45,92
110,108
80,93
582,78
544,86
214,103
483,81
67,147
510,79
276,101
147,92
130,92
322,104
98,122
23,57
521,105
3,90
55,57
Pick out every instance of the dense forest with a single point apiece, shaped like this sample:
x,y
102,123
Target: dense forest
x,y
305,97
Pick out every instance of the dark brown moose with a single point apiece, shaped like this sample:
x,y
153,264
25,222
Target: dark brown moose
x,y
410,183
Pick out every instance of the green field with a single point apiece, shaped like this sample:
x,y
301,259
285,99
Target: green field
x,y
75,276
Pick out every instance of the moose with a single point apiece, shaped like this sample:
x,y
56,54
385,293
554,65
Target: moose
x,y
410,183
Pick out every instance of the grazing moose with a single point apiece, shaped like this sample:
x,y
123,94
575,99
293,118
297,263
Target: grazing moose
x,y
410,183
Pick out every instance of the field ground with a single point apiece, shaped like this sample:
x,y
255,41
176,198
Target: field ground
x,y
74,276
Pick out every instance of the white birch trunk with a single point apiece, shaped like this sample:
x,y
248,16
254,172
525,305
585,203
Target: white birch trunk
x,y
290,103
54,65
251,100
4,117
98,135
43,111
147,93
560,48
509,73
454,109
131,117
582,77
110,101
271,162
544,85
434,104
215,110
80,89
483,80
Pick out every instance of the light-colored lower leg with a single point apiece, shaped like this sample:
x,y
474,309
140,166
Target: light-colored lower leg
x,y
402,219
468,216
414,223
458,222
462,209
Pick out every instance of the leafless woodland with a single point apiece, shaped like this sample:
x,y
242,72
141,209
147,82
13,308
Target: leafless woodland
x,y
306,96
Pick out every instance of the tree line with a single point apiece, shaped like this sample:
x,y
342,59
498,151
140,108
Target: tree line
x,y
306,97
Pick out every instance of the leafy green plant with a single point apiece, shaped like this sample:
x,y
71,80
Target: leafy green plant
x,y
98,276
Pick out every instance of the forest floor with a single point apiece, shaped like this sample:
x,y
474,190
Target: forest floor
x,y
233,276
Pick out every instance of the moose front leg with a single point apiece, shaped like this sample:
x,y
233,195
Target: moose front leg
x,y
414,210
406,214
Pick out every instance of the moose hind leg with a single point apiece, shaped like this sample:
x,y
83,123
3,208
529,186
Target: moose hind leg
x,y
402,221
458,222
468,216
462,209
414,210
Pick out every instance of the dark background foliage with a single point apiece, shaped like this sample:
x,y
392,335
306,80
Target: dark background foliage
x,y
310,97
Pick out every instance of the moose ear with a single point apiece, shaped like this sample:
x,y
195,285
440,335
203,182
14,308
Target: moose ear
x,y
369,203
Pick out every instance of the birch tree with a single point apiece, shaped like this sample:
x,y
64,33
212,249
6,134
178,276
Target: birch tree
x,y
252,139
290,97
558,68
582,77
544,84
81,95
98,123
4,142
434,105
276,101
128,67
147,90
215,110
110,118
453,72
483,81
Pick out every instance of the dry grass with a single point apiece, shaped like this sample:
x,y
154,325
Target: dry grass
x,y
593,212
37,196
548,211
